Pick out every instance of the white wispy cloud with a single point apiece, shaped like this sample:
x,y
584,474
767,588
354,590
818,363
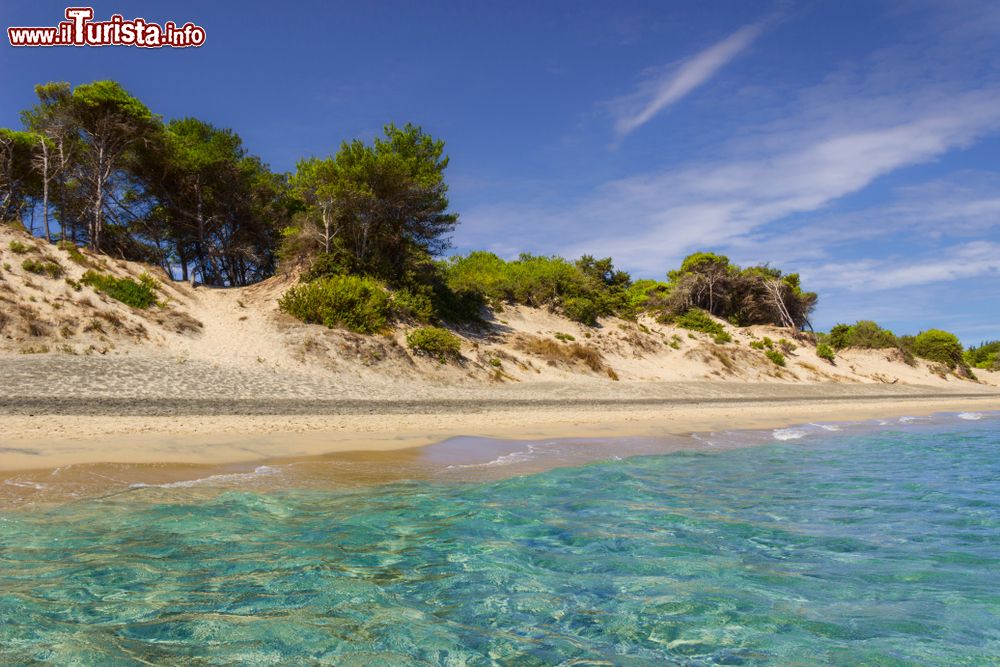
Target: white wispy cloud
x,y
969,260
675,81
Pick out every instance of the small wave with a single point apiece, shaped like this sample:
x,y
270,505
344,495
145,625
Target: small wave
x,y
699,438
505,460
788,434
910,420
24,484
827,427
971,416
211,479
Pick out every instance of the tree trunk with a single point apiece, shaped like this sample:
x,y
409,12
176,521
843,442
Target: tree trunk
x,y
45,190
95,232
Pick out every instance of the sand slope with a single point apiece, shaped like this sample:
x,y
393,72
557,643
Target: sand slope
x,y
203,342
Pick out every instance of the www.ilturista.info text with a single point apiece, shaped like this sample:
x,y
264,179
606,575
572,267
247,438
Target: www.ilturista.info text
x,y
81,30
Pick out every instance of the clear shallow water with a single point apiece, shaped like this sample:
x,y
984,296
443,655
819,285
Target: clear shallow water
x,y
850,546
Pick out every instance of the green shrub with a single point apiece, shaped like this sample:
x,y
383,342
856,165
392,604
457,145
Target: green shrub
x,y
764,343
824,351
18,248
581,309
530,280
436,342
723,337
141,294
777,357
411,304
564,337
643,295
940,346
697,319
986,356
74,253
357,303
326,265
51,269
864,334
585,290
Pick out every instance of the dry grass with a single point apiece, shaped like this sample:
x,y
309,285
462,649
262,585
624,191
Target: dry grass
x,y
724,357
555,353
180,322
112,318
37,328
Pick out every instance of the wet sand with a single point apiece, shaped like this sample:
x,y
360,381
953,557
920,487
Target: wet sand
x,y
66,456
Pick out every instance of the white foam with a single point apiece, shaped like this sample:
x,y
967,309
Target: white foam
x,y
211,479
704,440
505,460
910,420
827,427
971,416
788,434
24,484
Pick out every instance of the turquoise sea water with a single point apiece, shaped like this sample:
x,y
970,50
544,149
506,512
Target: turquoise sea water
x,y
866,546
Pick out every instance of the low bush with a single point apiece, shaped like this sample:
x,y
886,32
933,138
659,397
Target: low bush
x,y
357,303
777,357
39,267
764,343
940,346
584,290
413,304
786,345
723,337
864,334
74,253
564,337
697,319
436,342
138,294
986,356
581,309
18,248
824,351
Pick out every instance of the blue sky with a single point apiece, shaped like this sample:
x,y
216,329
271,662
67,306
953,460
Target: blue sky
x,y
857,142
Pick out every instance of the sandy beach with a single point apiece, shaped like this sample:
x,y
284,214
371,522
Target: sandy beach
x,y
43,433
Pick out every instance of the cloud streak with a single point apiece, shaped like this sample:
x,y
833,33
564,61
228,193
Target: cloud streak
x,y
969,260
678,80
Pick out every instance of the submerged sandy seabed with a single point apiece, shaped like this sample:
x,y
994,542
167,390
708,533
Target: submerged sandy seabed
x,y
52,458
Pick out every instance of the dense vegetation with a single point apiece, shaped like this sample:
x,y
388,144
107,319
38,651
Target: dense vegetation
x,y
364,229
357,303
933,345
94,166
743,296
985,356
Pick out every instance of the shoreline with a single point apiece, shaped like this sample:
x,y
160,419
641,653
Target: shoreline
x,y
47,442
